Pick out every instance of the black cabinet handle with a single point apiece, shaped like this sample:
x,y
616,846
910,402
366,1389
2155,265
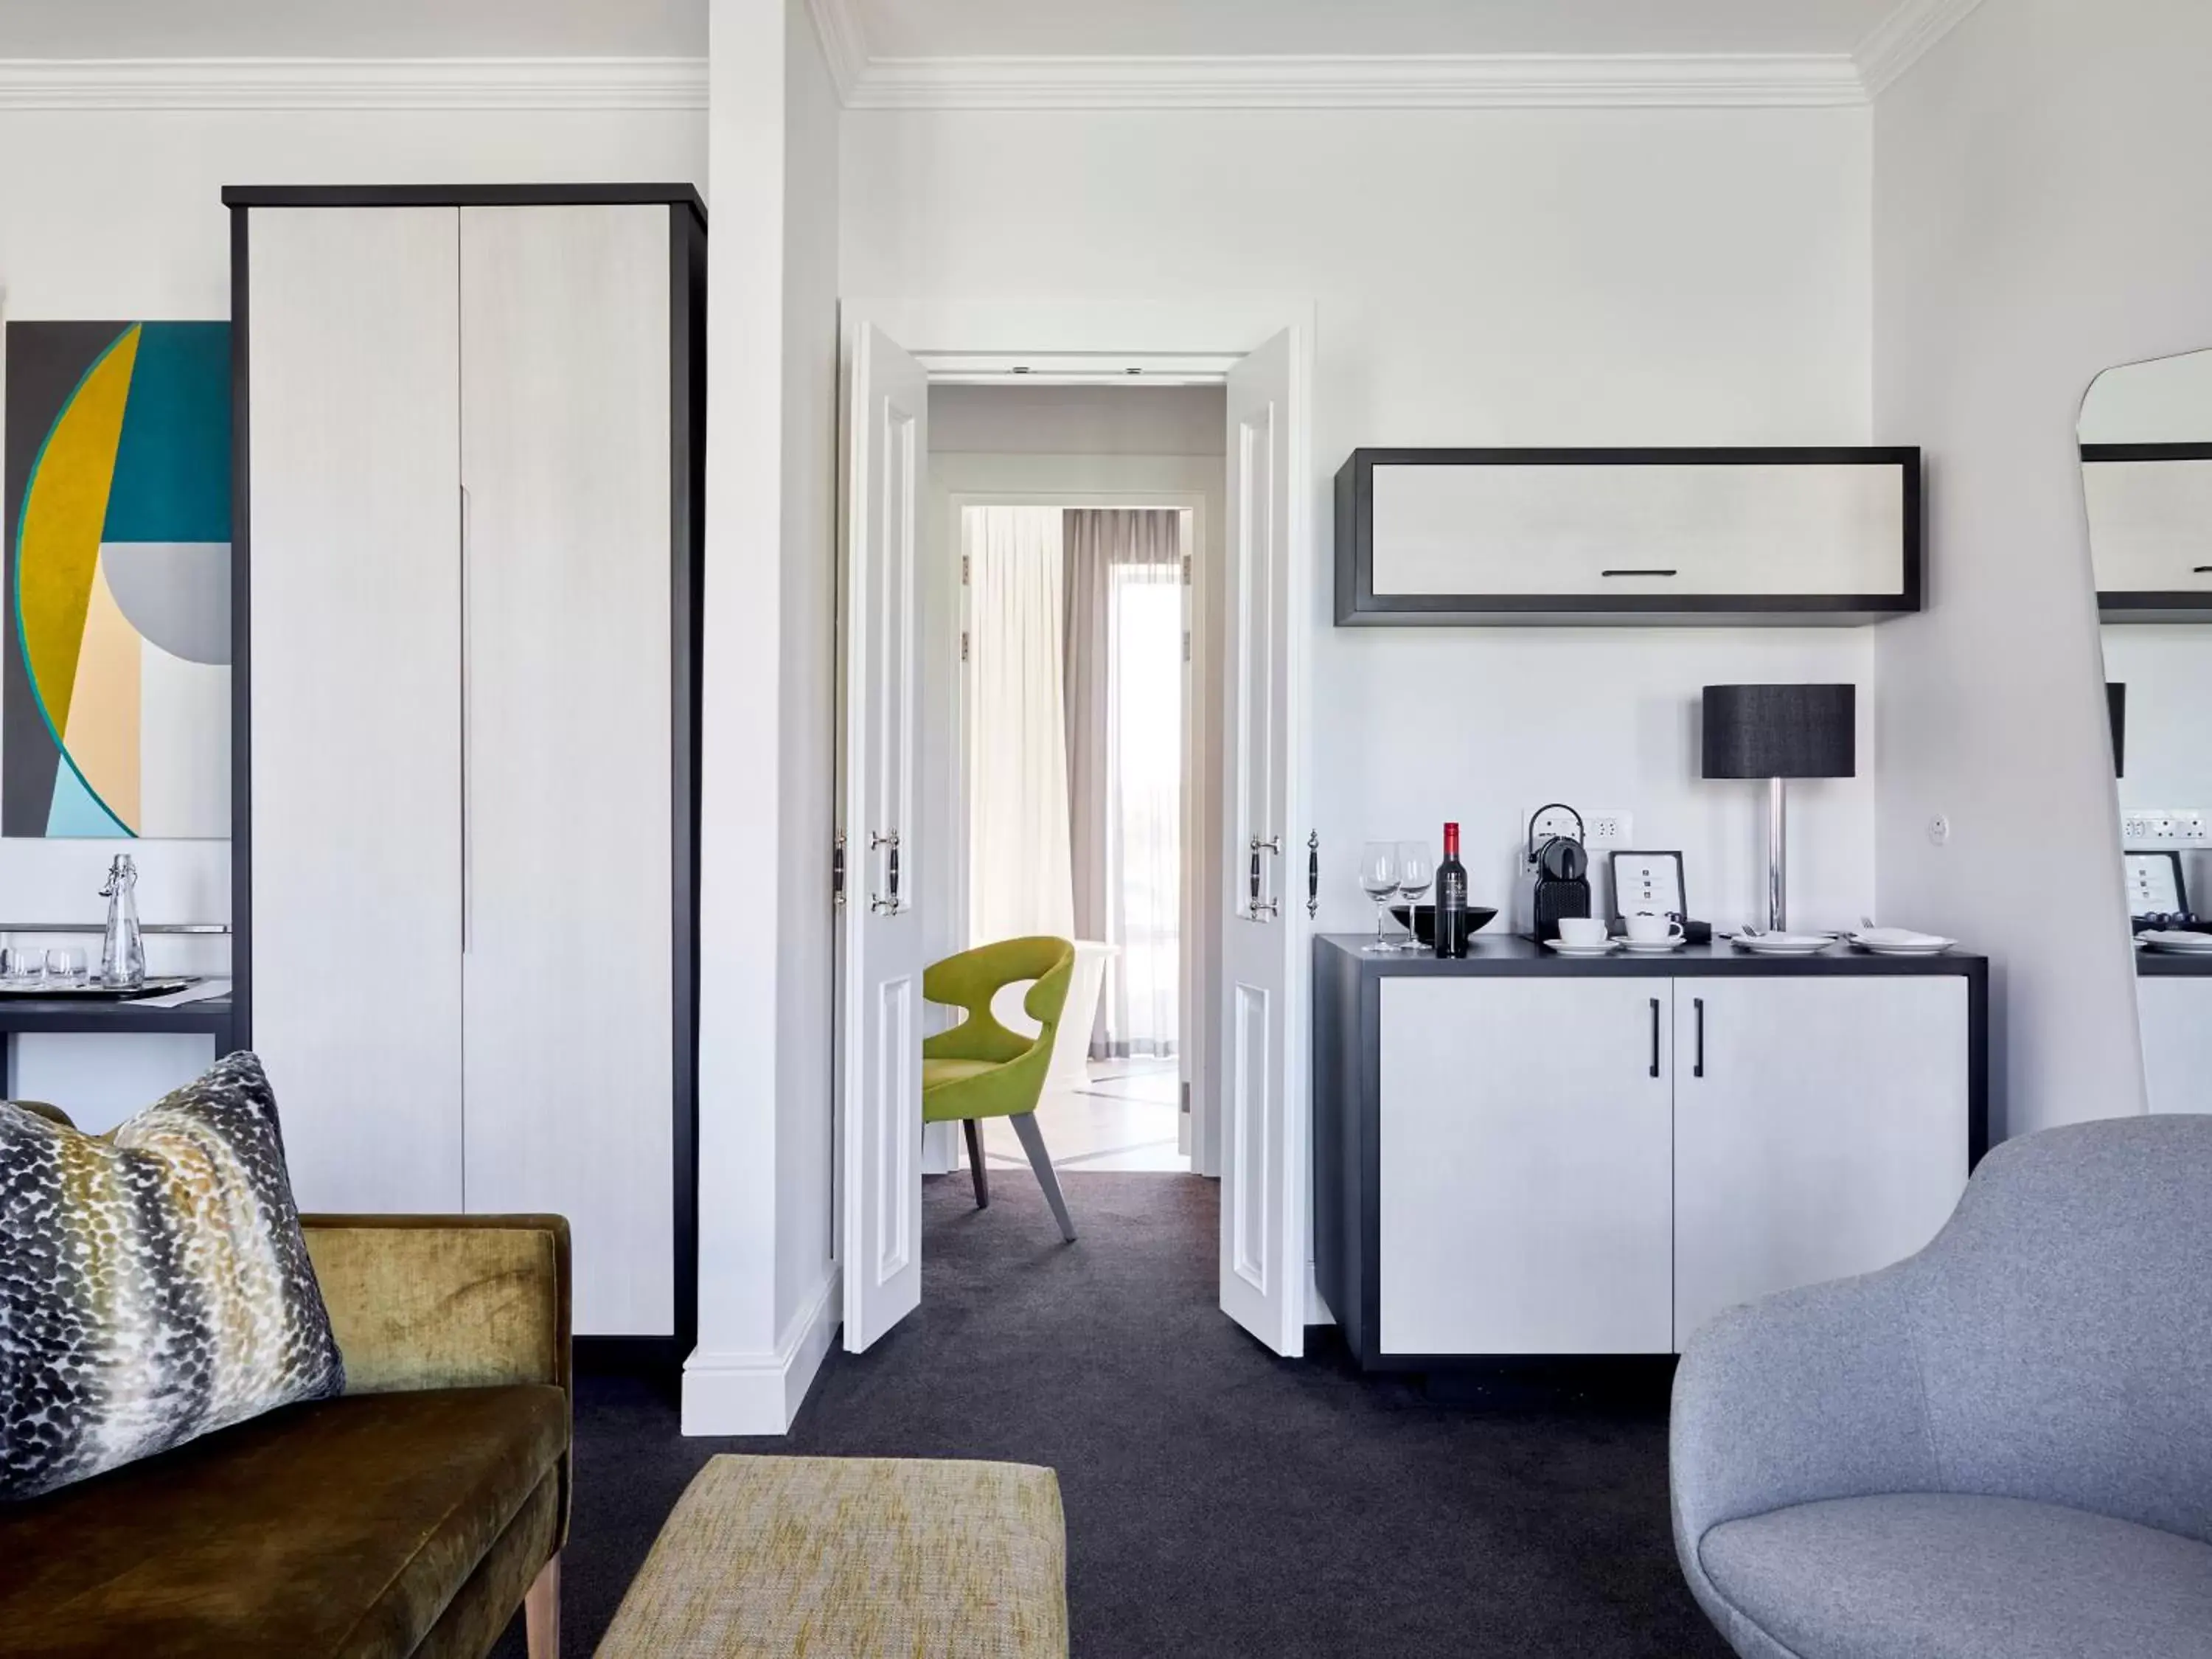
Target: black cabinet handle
x,y
1655,1036
1698,1068
1313,873
1639,573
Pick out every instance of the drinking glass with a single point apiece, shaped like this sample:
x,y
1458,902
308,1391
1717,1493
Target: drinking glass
x,y
1378,878
64,967
1416,871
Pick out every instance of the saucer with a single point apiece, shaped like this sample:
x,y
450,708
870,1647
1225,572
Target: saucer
x,y
1784,944
2178,943
1900,942
1567,950
1657,947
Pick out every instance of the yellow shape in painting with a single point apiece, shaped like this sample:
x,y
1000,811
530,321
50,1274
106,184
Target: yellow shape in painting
x,y
65,511
102,735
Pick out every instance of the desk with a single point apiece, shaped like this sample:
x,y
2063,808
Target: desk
x,y
20,1016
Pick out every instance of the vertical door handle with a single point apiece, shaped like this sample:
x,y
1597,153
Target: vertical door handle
x,y
1264,909
1697,1069
468,852
1655,1036
1313,874
887,903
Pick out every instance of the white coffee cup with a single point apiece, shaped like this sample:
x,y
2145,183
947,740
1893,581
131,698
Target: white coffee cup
x,y
1644,928
1581,930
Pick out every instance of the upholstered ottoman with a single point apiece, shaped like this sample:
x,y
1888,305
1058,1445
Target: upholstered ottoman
x,y
861,1558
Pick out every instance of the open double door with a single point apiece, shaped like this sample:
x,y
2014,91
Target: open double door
x,y
1262,1014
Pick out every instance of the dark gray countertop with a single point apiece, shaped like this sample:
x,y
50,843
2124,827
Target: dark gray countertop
x,y
2174,964
1510,954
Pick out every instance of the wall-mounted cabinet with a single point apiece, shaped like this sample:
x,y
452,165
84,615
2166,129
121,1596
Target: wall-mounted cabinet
x,y
1430,537
2150,530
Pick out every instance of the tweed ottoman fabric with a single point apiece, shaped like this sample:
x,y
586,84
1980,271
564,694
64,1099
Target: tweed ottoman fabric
x,y
853,1558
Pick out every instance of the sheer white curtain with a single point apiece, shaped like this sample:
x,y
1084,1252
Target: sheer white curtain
x,y
1018,880
1124,764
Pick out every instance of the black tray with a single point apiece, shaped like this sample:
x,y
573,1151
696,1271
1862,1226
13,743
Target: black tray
x,y
93,991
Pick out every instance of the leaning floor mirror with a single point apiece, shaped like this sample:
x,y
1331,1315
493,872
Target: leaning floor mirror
x,y
2146,435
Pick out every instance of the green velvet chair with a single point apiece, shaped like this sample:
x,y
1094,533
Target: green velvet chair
x,y
979,1069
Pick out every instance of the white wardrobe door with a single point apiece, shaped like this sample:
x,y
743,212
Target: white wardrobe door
x,y
356,692
567,975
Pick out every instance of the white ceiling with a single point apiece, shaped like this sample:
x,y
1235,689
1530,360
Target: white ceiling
x,y
957,28
934,28
353,28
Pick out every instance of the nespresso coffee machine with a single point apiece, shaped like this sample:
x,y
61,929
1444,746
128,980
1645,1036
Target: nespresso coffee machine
x,y
1555,878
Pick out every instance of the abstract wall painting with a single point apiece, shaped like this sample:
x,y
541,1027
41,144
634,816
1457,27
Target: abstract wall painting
x,y
115,675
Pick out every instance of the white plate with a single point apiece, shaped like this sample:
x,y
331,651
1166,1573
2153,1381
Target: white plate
x,y
1567,950
1652,948
2179,943
1784,944
1926,945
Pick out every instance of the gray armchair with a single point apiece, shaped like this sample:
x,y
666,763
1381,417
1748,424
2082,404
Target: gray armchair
x,y
2001,1446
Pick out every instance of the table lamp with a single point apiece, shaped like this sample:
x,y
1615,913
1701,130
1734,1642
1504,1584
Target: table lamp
x,y
1778,732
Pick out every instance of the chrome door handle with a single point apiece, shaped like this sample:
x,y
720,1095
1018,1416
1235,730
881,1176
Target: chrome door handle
x,y
886,840
1313,874
1264,909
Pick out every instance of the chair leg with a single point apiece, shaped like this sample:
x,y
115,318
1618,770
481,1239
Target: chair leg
x,y
1025,1126
975,1162
541,1613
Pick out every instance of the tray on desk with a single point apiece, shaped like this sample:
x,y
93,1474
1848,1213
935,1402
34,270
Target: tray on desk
x,y
93,991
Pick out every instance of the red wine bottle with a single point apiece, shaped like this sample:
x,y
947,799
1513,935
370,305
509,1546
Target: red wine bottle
x,y
1451,898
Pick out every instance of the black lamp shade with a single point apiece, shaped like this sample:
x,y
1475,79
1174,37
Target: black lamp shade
x,y
1780,731
2115,705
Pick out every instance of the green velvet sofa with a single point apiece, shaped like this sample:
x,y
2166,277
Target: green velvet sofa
x,y
410,1517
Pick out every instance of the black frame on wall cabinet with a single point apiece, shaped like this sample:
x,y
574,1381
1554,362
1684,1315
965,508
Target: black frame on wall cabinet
x,y
2146,604
1358,605
687,473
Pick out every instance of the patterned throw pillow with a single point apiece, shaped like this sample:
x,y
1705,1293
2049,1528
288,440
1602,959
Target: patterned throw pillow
x,y
154,1284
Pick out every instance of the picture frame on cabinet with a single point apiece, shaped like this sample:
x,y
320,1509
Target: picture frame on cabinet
x,y
2155,886
1654,881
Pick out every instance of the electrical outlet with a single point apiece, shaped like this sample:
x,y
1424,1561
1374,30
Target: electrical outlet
x,y
1555,821
2135,824
2188,826
1611,827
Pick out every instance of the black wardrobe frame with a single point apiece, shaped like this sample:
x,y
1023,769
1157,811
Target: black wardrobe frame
x,y
687,435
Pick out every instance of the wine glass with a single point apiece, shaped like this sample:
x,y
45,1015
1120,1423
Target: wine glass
x,y
1416,870
1378,878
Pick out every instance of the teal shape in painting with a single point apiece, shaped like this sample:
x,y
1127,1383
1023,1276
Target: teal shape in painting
x,y
172,464
76,810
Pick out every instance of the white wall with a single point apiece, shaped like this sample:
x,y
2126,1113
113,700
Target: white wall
x,y
118,214
1480,277
2038,193
1077,420
766,1286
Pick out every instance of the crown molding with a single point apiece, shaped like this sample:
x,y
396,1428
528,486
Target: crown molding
x,y
1516,82
1904,37
317,83
844,42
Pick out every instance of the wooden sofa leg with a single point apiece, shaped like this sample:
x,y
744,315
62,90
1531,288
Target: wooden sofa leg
x,y
541,1611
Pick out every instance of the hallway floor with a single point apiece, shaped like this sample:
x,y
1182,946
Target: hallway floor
x,y
1220,1501
1124,1118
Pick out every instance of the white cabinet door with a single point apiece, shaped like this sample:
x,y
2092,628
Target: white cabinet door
x,y
1820,1129
1524,1166
1615,530
565,461
2150,526
353,698
2176,1010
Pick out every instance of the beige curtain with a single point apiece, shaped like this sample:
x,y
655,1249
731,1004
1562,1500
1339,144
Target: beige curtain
x,y
1124,679
1017,851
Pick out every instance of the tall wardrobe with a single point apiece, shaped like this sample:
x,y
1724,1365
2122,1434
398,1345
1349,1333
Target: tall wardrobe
x,y
466,574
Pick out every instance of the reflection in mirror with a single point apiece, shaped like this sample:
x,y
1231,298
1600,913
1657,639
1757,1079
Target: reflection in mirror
x,y
2146,436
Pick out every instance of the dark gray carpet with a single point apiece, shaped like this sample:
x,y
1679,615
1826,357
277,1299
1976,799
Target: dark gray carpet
x,y
1220,1501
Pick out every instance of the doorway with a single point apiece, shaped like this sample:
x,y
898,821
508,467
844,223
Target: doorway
x,y
1079,805
902,788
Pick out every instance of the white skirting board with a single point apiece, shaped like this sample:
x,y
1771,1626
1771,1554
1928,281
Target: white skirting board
x,y
734,1393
